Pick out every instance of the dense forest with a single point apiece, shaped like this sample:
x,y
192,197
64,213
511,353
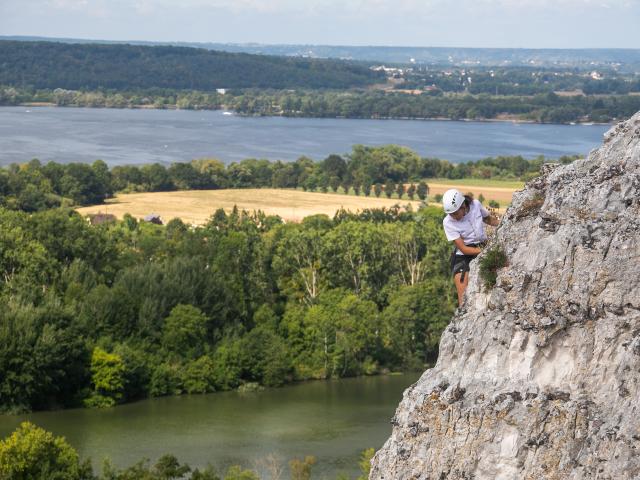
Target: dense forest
x,y
367,171
98,315
75,66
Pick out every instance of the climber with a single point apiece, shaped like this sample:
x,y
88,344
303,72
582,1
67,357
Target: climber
x,y
464,226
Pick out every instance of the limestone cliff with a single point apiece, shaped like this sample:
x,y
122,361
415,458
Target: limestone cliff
x,y
539,378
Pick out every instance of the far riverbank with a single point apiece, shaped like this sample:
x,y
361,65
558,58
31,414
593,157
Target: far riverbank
x,y
503,118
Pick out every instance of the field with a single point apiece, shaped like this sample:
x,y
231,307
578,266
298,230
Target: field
x,y
196,206
498,190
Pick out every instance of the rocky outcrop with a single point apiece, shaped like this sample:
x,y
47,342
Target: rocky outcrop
x,y
539,377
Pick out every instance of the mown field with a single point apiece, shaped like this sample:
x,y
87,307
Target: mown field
x,y
499,190
196,206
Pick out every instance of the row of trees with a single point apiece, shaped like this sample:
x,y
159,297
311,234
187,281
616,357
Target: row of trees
x,y
99,315
543,108
389,170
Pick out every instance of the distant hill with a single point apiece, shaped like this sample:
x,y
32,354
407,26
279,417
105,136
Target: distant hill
x,y
41,65
625,59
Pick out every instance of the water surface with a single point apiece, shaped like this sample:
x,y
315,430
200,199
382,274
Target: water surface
x,y
333,420
121,136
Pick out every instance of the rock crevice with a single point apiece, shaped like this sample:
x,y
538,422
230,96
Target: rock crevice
x,y
539,377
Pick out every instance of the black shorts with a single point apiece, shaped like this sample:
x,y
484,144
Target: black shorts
x,y
460,263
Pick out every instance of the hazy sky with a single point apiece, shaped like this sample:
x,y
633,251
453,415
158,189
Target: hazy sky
x,y
463,23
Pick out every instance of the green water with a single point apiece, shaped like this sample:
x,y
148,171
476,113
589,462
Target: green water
x,y
332,420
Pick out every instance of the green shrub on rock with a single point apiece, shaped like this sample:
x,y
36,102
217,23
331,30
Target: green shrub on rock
x,y
490,262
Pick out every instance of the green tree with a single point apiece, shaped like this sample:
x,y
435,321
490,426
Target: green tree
x,y
43,363
365,463
236,472
301,469
411,191
389,187
184,331
422,191
414,319
377,190
107,379
33,453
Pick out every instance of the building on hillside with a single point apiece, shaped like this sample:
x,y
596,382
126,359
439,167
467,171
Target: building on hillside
x,y
153,218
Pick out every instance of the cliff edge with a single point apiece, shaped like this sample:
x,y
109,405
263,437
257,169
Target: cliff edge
x,y
539,378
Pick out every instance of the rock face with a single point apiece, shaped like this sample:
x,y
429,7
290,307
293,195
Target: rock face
x,y
539,378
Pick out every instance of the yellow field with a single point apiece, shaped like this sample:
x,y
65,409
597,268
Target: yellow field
x,y
196,206
503,195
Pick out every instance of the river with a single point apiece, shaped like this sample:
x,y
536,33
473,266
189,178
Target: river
x,y
121,136
333,420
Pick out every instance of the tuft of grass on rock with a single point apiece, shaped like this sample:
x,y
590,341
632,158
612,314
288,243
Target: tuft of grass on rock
x,y
491,261
531,206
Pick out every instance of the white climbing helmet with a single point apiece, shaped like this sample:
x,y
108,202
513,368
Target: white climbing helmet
x,y
452,200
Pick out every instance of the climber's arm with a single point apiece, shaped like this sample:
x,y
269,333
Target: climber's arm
x,y
464,248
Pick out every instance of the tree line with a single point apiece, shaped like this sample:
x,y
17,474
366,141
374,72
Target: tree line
x,y
92,66
390,170
31,452
541,108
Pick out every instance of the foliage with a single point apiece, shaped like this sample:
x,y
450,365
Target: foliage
x,y
301,468
184,332
94,66
365,463
107,379
491,261
34,187
238,473
33,453
120,311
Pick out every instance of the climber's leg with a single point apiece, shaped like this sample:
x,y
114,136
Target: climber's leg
x,y
461,280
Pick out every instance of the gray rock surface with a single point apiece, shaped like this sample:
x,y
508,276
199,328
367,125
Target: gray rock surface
x,y
539,378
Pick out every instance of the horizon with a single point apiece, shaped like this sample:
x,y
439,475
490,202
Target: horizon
x,y
333,45
517,24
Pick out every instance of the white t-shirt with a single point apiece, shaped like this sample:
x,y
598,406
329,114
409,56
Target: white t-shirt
x,y
470,228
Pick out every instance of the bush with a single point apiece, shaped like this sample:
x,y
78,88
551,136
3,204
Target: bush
x,y
31,452
490,262
301,469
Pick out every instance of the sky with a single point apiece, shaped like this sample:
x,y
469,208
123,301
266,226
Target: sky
x,y
445,23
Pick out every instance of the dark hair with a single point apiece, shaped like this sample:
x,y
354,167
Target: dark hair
x,y
468,200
